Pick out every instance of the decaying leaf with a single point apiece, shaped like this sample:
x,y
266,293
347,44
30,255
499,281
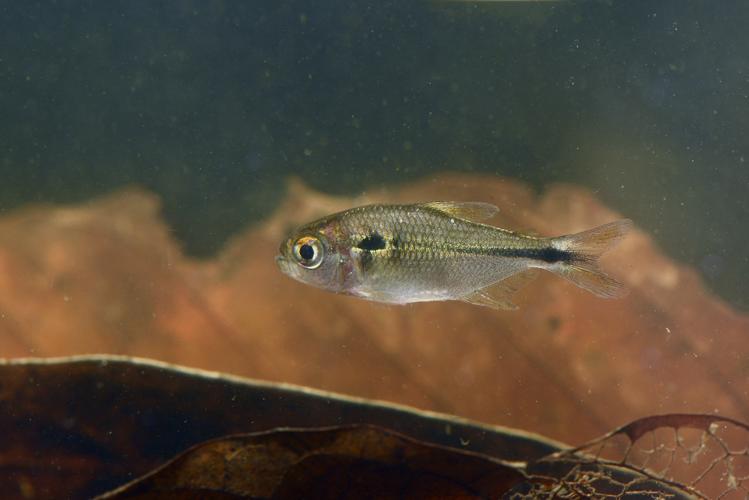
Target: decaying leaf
x,y
705,456
77,427
342,462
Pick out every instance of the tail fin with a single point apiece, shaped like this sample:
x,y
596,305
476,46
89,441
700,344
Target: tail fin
x,y
585,249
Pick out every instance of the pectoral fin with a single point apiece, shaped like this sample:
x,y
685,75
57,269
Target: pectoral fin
x,y
472,210
498,295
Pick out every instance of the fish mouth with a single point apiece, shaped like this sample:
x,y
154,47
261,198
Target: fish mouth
x,y
281,261
284,265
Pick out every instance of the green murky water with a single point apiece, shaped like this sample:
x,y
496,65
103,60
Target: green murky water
x,y
213,103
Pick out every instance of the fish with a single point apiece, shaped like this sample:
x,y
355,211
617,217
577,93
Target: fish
x,y
437,251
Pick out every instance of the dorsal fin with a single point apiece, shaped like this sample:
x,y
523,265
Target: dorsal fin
x,y
497,296
471,210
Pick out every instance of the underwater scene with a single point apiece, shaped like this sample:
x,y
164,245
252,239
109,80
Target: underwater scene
x,y
392,249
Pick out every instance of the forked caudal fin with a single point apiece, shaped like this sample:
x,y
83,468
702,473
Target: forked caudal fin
x,y
585,249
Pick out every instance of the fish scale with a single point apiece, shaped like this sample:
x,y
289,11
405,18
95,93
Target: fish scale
x,y
433,250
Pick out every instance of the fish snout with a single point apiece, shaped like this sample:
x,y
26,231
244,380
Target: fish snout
x,y
285,266
281,261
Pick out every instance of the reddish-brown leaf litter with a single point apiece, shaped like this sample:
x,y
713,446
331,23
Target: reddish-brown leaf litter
x,y
333,463
78,427
108,276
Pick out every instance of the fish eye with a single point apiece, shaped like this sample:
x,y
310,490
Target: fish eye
x,y
308,252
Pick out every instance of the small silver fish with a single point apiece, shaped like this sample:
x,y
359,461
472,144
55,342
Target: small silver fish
x,y
439,251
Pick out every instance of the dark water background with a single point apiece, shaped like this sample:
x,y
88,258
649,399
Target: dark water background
x,y
213,103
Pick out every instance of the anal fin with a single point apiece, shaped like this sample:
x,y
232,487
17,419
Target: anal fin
x,y
482,298
498,295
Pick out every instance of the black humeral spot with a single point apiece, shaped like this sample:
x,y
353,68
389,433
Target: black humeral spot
x,y
374,241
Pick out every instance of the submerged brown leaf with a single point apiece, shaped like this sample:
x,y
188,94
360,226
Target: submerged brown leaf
x,y
348,462
73,428
78,427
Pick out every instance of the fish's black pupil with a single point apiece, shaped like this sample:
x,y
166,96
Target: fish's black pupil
x,y
306,252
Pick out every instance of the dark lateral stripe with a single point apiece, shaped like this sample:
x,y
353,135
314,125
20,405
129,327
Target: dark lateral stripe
x,y
548,254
